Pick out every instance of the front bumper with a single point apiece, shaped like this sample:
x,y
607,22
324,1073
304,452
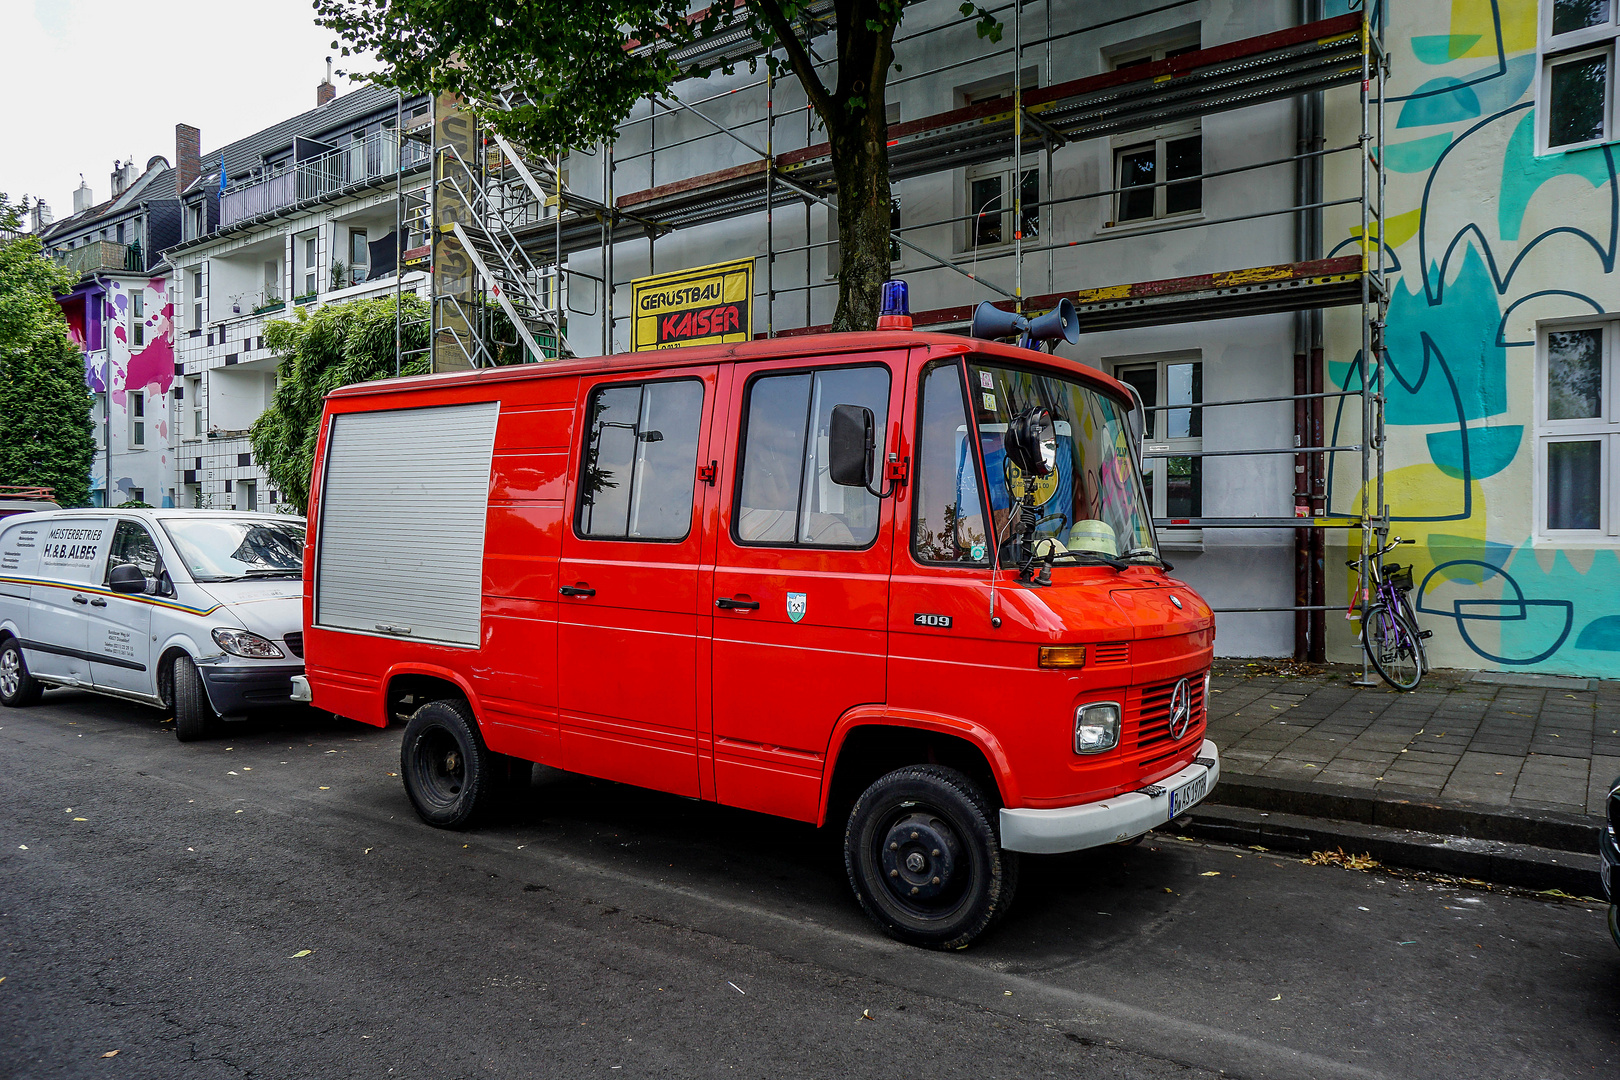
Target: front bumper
x,y
1107,821
236,690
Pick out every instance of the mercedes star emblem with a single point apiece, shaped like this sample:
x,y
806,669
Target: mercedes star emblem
x,y
1180,710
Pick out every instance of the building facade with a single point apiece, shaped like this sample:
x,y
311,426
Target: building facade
x,y
120,314
298,215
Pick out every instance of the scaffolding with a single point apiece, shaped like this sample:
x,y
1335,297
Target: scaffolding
x,y
505,224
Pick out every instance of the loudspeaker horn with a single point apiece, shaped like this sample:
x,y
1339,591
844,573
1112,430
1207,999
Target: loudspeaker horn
x,y
991,323
1061,322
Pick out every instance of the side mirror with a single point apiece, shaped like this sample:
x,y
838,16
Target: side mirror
x,y
851,445
126,578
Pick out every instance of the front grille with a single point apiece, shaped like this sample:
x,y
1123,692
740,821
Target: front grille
x,y
295,643
1153,713
1110,652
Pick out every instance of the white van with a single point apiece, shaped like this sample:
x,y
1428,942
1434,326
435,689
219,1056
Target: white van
x,y
195,610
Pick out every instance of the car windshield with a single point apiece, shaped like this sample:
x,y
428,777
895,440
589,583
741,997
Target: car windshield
x,y
1091,505
226,549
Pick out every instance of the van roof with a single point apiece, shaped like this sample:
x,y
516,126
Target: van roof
x,y
155,514
758,349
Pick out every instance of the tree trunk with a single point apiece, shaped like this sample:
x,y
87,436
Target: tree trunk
x,y
861,164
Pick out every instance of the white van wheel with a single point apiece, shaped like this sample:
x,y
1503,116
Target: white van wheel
x,y
17,687
194,717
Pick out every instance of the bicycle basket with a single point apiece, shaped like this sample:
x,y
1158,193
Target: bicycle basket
x,y
1399,576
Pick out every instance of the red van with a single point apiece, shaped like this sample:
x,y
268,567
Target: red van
x,y
905,584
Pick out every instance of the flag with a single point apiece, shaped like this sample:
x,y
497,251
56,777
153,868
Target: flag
x,y
222,172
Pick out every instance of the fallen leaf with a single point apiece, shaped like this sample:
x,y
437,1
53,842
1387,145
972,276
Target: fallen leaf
x,y
1277,998
299,953
325,788
1340,858
233,772
1257,847
87,819
1210,873
110,1053
866,1014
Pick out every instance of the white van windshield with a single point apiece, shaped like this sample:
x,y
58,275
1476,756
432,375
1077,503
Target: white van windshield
x,y
222,549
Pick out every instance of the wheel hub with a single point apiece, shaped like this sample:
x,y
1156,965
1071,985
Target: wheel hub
x,y
920,855
10,672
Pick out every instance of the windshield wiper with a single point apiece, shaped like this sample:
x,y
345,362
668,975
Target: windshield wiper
x,y
274,572
1150,553
1096,556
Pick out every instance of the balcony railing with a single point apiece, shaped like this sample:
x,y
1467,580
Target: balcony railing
x,y
100,255
373,158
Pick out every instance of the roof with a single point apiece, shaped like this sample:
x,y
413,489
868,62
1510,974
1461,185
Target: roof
x,y
249,153
152,185
808,346
158,514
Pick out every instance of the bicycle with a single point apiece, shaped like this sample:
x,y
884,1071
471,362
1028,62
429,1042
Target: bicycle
x,y
1389,631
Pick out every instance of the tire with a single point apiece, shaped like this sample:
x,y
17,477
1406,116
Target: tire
x,y
450,775
194,716
1391,643
18,689
924,860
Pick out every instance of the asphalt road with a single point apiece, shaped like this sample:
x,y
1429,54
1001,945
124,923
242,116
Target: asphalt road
x,y
268,905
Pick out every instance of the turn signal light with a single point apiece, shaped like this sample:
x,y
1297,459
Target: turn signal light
x,y
1062,656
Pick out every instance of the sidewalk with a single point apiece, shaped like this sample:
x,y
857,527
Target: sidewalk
x,y
1499,776
1496,740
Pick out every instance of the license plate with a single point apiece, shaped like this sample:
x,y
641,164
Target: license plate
x,y
1187,795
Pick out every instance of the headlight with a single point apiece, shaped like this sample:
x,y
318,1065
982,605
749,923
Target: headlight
x,y
1096,727
243,643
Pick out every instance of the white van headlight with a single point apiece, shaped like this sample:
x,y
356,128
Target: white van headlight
x,y
1096,727
245,643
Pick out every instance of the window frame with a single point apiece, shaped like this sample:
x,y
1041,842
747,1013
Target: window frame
x,y
1159,138
914,488
585,445
135,405
112,544
744,410
1159,467
1603,429
1554,50
1004,170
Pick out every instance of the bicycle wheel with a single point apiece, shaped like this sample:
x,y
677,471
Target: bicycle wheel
x,y
1392,646
1417,633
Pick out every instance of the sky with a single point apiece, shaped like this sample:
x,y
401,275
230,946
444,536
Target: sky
x,y
94,81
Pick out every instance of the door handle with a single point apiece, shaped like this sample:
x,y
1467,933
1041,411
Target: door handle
x,y
80,600
726,603
571,590
98,602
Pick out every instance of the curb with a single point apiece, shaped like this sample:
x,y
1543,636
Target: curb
x,y
1500,862
1404,811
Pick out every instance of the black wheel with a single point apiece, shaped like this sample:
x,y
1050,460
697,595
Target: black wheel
x,y
1392,645
449,774
924,859
1614,922
18,689
194,716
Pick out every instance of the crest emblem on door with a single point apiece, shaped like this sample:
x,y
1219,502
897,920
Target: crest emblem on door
x,y
795,605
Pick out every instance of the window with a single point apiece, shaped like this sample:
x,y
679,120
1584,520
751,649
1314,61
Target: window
x,y
991,204
785,495
194,392
132,545
194,221
1146,175
98,413
136,495
247,495
359,255
640,465
137,316
309,266
137,419
196,300
1175,484
948,523
1578,424
1577,71
272,281
1177,42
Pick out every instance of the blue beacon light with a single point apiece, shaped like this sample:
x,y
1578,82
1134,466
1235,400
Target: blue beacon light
x,y
895,314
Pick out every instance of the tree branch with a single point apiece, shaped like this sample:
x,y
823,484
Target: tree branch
x,y
798,58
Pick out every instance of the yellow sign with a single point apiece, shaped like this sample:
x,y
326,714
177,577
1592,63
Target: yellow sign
x,y
706,305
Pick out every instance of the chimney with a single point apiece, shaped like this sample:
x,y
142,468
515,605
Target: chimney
x,y
82,199
118,179
325,91
187,157
40,215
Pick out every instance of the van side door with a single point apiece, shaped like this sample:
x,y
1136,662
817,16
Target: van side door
x,y
801,578
71,554
628,605
121,624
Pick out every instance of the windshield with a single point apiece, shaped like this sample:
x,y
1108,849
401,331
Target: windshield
x,y
1093,500
220,549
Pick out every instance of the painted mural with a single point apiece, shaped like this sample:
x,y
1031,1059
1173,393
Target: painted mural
x,y
1488,240
137,329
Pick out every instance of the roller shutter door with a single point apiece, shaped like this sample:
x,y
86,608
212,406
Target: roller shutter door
x,y
401,543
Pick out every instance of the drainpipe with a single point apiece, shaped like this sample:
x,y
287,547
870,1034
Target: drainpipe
x,y
106,384
1309,469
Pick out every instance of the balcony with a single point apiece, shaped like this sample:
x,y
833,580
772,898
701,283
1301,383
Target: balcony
x,y
364,161
102,255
